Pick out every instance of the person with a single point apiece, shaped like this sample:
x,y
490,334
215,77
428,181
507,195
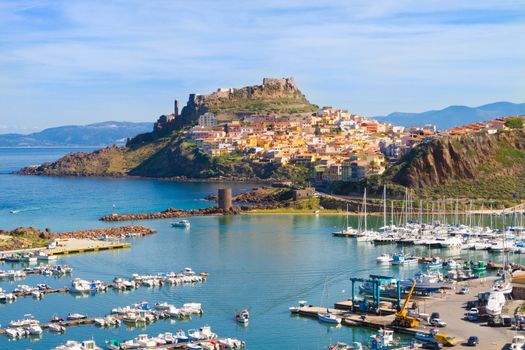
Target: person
x,y
363,317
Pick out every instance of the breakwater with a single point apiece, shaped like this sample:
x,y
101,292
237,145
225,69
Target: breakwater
x,y
171,213
126,231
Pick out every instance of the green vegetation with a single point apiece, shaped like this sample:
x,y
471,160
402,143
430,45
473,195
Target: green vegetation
x,y
514,123
23,238
293,104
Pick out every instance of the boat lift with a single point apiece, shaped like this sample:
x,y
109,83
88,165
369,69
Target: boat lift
x,y
377,281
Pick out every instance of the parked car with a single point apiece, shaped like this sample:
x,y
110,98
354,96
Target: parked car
x,y
437,322
464,290
472,314
472,341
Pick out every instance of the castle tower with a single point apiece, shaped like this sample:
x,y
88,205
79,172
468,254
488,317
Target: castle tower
x,y
176,108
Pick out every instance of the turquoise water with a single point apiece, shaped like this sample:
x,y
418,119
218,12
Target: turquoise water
x,y
262,262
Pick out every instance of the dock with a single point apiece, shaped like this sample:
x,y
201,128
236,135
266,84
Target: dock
x,y
94,248
355,319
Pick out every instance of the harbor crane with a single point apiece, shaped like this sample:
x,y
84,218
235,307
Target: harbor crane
x,y
402,319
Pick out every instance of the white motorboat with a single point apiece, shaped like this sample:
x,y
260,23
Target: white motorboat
x,y
384,258
34,329
74,345
181,223
56,328
203,333
295,309
27,321
75,316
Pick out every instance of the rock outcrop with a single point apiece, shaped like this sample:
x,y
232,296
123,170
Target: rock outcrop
x,y
474,164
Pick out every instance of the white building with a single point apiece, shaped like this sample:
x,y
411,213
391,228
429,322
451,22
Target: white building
x,y
208,119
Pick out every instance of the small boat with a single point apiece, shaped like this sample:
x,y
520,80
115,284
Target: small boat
x,y
344,346
434,263
27,321
400,259
328,317
56,328
295,309
34,329
231,343
181,223
74,345
75,316
243,317
15,332
384,258
203,333
181,336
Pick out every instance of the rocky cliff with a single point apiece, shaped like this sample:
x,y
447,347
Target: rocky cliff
x,y
476,165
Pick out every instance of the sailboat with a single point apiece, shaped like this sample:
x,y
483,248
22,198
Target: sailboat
x,y
365,235
328,316
347,231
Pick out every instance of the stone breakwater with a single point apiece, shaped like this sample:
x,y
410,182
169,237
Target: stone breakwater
x,y
135,230
171,213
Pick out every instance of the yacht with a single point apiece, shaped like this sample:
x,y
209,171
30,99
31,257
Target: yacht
x,y
495,303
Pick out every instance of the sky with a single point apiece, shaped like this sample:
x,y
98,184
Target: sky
x,y
79,62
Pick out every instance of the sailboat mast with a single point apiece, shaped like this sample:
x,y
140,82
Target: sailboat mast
x,y
384,205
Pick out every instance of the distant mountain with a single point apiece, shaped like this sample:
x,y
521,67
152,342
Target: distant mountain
x,y
99,134
455,115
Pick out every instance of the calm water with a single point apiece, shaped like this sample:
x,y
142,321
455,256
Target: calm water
x,y
261,262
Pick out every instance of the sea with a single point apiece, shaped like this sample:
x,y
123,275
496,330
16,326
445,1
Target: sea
x,y
264,263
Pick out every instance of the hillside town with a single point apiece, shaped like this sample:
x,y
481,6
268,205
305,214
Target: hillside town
x,y
339,145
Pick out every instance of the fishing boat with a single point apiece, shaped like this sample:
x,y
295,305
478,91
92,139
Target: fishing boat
x,y
181,336
434,263
400,259
243,317
384,258
328,317
181,223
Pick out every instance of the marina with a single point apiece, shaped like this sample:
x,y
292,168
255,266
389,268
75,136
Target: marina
x,y
284,258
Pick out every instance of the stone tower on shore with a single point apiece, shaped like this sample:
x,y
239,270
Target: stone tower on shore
x,y
225,198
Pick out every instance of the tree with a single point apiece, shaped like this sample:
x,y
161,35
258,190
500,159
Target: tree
x,y
514,123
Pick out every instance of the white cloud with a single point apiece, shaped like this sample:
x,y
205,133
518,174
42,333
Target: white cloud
x,y
372,57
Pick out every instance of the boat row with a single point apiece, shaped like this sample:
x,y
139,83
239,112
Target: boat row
x,y
187,276
28,257
46,270
201,338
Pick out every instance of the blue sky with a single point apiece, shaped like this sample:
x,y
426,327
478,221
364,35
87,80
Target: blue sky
x,y
77,62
